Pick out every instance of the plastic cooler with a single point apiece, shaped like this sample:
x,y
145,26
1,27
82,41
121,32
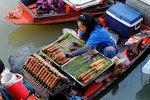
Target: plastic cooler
x,y
123,19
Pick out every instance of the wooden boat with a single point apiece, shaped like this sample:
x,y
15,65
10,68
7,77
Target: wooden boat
x,y
61,90
30,16
99,84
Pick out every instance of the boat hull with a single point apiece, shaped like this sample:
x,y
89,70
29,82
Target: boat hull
x,y
111,83
94,89
28,18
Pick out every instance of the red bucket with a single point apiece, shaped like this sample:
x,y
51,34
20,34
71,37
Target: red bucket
x,y
14,86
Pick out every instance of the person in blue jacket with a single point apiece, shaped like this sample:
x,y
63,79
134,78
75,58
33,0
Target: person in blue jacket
x,y
95,36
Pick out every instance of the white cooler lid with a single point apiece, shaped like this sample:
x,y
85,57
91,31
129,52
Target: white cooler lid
x,y
81,4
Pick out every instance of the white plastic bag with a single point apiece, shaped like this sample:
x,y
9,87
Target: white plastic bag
x,y
137,37
68,30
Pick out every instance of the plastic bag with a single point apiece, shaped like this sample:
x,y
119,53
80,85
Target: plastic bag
x,y
17,60
68,30
122,59
137,37
115,36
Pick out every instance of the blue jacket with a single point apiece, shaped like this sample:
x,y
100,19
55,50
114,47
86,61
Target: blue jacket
x,y
99,36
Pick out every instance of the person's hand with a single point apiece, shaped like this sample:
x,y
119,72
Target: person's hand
x,y
59,55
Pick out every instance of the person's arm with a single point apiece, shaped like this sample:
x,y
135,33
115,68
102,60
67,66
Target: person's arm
x,y
80,51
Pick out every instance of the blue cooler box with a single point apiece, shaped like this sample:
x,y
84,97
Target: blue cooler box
x,y
123,19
